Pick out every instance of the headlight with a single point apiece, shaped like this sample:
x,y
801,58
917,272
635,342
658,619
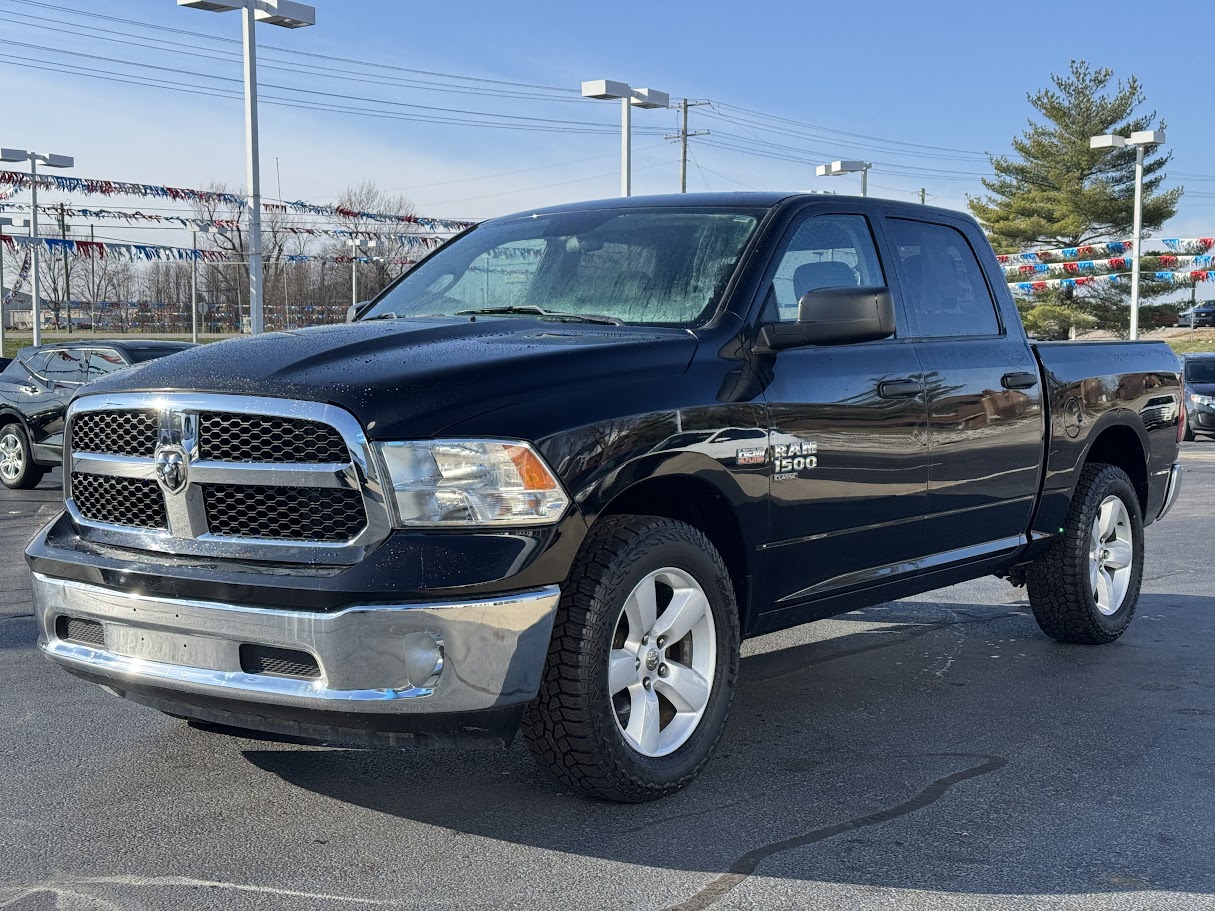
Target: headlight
x,y
1202,399
471,482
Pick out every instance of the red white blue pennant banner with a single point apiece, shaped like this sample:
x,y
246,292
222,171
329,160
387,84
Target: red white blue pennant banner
x,y
408,240
1189,244
1086,251
22,274
157,252
93,187
1100,266
1121,278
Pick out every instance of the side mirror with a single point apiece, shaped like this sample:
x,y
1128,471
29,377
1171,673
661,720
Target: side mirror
x,y
833,316
353,311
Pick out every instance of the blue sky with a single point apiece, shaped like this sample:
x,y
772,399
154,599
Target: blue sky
x,y
949,75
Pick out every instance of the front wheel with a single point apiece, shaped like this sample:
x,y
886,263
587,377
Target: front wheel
x,y
1187,433
18,470
1085,588
642,662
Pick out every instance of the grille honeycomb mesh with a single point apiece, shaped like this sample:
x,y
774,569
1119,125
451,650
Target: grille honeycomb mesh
x,y
283,513
136,502
232,437
132,433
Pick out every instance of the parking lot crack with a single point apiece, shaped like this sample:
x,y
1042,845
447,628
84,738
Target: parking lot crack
x,y
746,865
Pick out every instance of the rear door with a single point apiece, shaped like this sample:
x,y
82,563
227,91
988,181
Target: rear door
x,y
848,442
985,418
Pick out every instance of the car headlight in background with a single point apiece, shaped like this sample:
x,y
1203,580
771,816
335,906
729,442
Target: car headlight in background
x,y
1202,399
471,483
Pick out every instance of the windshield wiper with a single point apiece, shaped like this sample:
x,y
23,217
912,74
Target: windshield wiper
x,y
388,315
532,310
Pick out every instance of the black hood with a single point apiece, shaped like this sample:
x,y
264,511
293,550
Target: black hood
x,y
412,378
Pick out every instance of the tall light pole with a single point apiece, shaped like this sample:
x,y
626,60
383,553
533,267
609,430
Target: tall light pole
x,y
1140,140
12,223
51,161
288,14
607,90
840,168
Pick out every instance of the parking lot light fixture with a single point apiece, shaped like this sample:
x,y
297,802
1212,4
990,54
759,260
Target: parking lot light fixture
x,y
840,168
288,14
1140,139
608,90
50,161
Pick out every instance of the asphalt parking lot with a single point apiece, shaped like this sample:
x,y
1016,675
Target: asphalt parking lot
x,y
936,753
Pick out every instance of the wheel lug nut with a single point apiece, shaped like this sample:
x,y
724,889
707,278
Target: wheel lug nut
x,y
646,683
637,666
663,670
662,640
645,640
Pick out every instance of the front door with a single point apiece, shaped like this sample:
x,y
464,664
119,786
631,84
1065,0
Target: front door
x,y
848,439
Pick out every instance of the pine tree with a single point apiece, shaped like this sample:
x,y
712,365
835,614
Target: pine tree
x,y
1058,192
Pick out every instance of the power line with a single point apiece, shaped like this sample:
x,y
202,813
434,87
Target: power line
x,y
292,51
287,88
186,88
234,57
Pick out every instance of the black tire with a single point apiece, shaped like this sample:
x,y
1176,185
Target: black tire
x,y
31,472
571,726
1060,588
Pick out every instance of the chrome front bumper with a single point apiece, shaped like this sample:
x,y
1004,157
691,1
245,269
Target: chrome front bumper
x,y
373,660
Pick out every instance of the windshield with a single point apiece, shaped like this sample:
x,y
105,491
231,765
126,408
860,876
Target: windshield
x,y
1200,371
655,266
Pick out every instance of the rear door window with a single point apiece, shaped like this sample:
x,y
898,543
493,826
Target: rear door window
x,y
102,361
942,282
63,365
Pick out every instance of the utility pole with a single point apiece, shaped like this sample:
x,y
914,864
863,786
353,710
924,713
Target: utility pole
x,y
921,196
67,282
683,136
92,282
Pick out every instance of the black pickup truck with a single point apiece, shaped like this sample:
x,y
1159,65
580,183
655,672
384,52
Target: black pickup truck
x,y
552,477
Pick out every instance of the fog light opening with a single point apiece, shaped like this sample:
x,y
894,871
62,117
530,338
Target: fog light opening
x,y
423,659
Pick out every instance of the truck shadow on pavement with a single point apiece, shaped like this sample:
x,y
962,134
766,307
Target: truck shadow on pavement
x,y
942,747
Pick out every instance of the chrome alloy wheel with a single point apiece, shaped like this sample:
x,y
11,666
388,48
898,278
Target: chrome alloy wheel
x,y
1110,555
12,456
662,662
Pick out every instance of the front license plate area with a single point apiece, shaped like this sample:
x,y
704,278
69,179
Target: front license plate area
x,y
170,648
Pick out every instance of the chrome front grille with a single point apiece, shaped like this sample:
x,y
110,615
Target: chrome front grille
x,y
230,437
136,502
221,475
116,432
285,513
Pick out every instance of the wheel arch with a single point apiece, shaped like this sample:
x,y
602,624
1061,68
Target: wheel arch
x,y
699,491
1122,442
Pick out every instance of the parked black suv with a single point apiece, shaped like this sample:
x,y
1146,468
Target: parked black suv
x,y
1198,316
35,387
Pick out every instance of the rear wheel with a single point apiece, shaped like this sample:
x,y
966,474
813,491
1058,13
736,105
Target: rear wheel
x,y
642,663
18,471
1085,588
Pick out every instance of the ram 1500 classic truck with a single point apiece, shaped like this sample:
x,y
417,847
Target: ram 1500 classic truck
x,y
555,474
